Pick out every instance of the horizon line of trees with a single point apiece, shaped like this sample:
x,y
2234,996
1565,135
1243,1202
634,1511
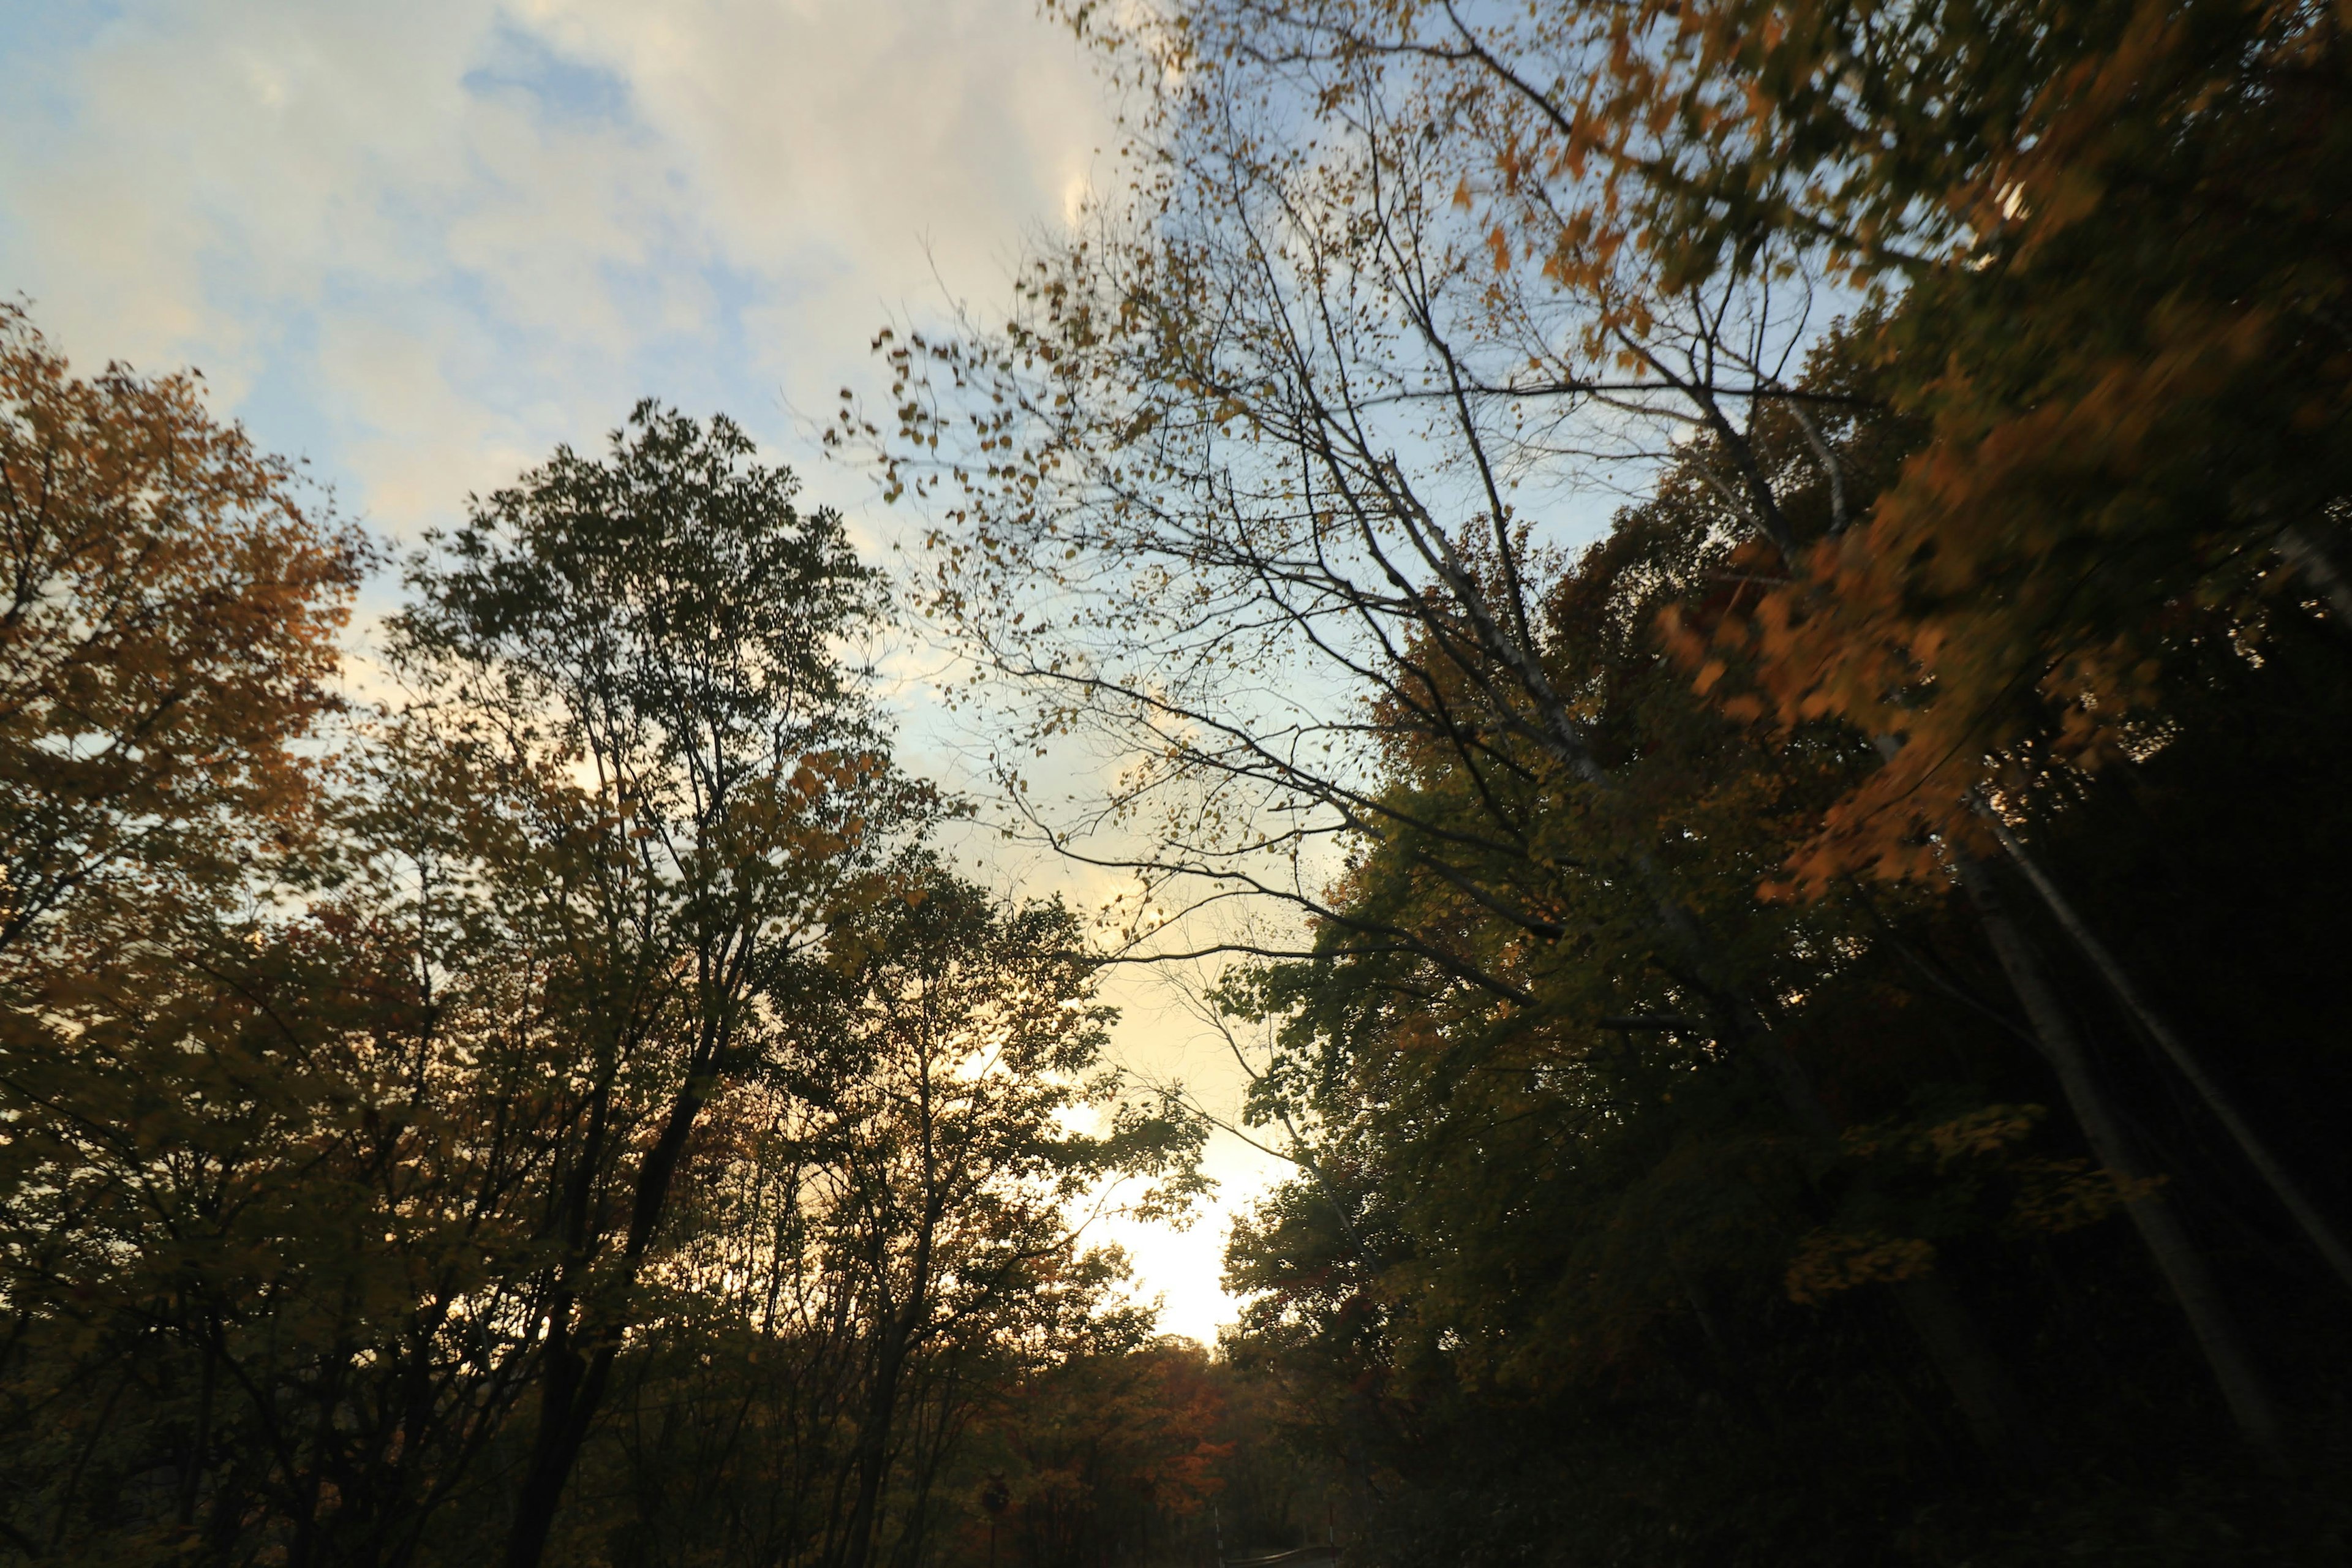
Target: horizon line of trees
x,y
573,1115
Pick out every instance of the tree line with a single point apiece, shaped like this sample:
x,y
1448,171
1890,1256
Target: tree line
x,y
569,1113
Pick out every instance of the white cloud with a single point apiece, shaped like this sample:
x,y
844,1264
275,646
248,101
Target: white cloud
x,y
557,206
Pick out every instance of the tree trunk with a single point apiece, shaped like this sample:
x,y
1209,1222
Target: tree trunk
x,y
2177,1256
574,1385
873,1454
1990,1400
2316,1228
899,1333
553,1451
1994,1407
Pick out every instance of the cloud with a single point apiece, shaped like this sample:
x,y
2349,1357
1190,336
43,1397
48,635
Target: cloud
x,y
414,242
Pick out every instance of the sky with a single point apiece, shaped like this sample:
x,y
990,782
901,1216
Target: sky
x,y
418,245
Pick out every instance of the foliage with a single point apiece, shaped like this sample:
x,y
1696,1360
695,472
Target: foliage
x,y
583,1070
1557,1285
1677,925
1098,1452
169,636
1726,616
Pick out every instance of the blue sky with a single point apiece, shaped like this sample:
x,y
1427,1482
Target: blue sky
x,y
420,243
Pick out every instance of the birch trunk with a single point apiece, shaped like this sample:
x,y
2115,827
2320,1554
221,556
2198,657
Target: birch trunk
x,y
2177,1255
2317,1228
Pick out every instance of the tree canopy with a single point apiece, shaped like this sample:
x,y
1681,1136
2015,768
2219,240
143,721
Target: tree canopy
x,y
1720,639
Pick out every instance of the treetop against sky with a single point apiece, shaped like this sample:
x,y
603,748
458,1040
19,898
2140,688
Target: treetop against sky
x,y
419,246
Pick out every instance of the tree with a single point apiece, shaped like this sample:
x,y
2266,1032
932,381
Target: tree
x,y
400,1110
971,1034
169,634
664,622
1394,276
1099,1448
167,654
1548,1281
880,1245
1278,547
269,1218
